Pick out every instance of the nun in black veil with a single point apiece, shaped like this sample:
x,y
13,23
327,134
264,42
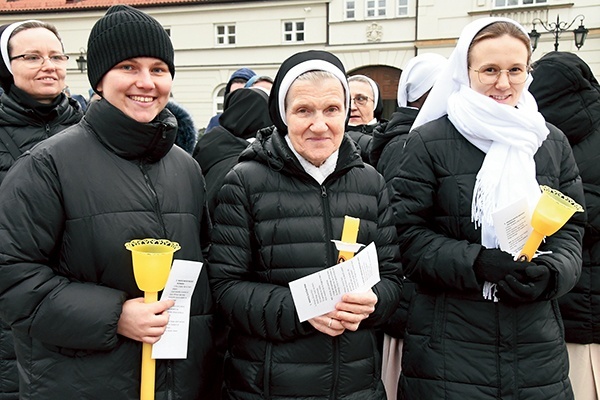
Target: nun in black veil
x,y
245,112
277,212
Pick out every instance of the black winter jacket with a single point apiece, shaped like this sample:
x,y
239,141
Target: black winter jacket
x,y
362,136
26,128
458,345
66,210
386,147
568,96
216,152
388,141
274,224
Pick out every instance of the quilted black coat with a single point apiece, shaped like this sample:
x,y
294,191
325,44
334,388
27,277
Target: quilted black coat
x,y
568,96
26,127
273,224
66,210
387,145
458,345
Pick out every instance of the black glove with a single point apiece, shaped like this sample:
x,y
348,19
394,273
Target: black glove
x,y
493,265
536,282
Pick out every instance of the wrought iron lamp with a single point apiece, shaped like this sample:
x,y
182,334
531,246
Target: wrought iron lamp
x,y
81,61
558,27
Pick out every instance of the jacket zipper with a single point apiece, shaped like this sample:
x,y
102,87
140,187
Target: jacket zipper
x,y
170,380
327,220
332,259
336,367
157,210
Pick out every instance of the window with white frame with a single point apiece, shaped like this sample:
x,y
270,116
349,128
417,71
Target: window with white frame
x,y
350,9
509,3
293,31
225,35
219,100
375,8
402,7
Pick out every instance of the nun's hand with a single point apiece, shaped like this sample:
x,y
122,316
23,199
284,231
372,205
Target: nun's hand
x,y
354,308
327,324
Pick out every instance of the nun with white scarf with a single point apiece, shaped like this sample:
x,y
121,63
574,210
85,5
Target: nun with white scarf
x,y
481,325
277,213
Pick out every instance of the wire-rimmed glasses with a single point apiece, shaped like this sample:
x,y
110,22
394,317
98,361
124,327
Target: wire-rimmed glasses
x,y
360,99
489,74
35,60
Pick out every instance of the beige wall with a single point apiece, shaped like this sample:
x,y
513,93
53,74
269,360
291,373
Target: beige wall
x,y
203,68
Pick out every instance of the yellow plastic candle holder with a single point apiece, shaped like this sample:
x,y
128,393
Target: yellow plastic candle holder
x,y
551,213
152,260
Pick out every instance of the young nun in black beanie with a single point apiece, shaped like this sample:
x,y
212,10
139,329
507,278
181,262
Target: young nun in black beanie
x,y
68,207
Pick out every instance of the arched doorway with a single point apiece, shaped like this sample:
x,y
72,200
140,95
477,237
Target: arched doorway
x,y
387,78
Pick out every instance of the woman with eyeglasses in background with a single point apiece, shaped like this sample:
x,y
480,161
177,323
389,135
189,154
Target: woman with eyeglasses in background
x,y
33,67
366,108
480,325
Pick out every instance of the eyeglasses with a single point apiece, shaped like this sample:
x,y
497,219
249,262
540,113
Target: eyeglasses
x,y
489,74
361,100
35,60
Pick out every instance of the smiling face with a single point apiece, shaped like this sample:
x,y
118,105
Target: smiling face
x,y
139,87
316,116
506,53
361,114
45,82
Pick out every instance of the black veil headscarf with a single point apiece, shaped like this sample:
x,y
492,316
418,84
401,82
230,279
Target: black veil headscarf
x,y
292,68
245,112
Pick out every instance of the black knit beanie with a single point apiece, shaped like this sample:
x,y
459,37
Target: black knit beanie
x,y
124,33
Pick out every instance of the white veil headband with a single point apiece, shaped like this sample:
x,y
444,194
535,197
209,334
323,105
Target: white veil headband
x,y
305,66
418,76
456,73
4,38
372,83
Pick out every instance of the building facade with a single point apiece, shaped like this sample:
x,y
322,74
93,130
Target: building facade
x,y
213,38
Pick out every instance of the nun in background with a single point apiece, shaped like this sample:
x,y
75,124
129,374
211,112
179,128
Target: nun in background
x,y
245,112
366,108
277,212
416,81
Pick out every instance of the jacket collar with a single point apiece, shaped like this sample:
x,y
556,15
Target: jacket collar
x,y
271,148
128,138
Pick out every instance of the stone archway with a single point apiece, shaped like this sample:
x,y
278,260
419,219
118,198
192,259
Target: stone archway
x,y
387,78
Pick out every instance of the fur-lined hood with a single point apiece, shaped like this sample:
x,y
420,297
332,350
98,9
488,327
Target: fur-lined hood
x,y
187,134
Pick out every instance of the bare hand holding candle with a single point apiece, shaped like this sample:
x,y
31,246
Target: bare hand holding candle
x,y
152,260
552,211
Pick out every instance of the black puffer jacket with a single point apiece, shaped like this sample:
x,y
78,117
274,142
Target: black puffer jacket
x,y
26,128
216,152
458,345
386,147
362,136
274,224
67,208
568,96
388,141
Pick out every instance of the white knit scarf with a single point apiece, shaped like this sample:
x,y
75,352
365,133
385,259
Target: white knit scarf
x,y
510,137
